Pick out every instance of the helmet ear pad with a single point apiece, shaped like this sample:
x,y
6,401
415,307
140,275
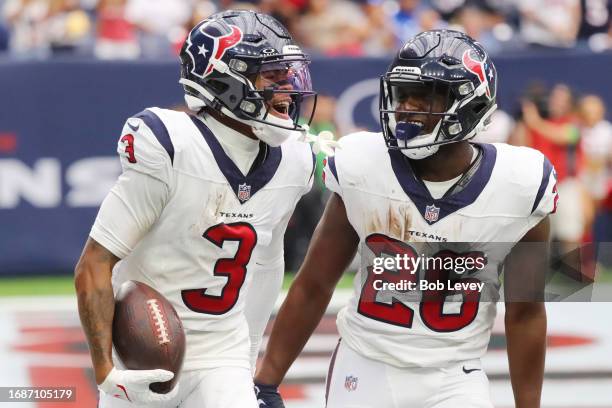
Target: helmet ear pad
x,y
231,90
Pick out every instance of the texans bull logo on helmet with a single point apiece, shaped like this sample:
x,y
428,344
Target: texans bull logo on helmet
x,y
480,69
213,46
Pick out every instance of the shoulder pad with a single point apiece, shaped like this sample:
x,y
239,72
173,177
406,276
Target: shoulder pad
x,y
301,157
354,155
532,177
145,145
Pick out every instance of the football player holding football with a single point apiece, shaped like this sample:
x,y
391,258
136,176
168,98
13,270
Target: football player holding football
x,y
200,211
421,182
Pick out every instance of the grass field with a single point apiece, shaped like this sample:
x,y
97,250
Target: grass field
x,y
63,285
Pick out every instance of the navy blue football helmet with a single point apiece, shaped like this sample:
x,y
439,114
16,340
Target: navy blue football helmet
x,y
440,88
246,65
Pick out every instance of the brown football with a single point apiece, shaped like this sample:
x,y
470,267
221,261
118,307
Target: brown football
x,y
147,332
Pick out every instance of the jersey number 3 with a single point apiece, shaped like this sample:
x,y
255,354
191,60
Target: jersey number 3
x,y
128,141
233,268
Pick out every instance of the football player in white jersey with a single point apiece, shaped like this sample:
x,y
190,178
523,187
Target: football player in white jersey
x,y
419,183
200,211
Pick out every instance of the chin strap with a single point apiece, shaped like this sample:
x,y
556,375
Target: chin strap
x,y
273,135
323,142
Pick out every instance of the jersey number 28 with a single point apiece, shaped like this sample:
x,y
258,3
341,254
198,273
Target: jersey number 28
x,y
431,307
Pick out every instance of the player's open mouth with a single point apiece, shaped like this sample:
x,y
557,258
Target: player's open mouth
x,y
280,108
410,120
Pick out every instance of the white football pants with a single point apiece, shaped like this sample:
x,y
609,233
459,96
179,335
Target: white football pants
x,y
224,387
357,382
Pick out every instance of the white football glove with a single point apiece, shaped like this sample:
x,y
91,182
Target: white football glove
x,y
323,142
133,385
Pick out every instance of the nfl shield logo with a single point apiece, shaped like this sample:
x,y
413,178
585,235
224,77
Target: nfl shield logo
x,y
244,192
431,213
351,383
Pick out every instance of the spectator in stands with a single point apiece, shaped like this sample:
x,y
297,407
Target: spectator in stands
x,y
596,16
25,19
596,145
242,4
116,36
596,173
429,19
556,134
413,17
287,12
477,24
333,28
447,8
201,10
602,231
159,24
4,36
68,27
550,23
596,24
380,38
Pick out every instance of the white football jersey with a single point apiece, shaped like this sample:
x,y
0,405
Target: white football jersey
x,y
207,226
510,192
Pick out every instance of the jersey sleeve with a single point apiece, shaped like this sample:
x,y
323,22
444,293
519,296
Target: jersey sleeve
x,y
267,278
129,210
346,169
145,146
311,177
139,195
546,197
264,289
330,175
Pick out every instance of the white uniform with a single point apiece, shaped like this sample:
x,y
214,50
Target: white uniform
x,y
185,220
510,192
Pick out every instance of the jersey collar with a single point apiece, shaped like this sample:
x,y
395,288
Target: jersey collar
x,y
433,210
244,186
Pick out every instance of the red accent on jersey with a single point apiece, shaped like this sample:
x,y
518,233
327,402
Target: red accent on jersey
x,y
122,388
323,172
129,147
554,190
432,304
395,313
233,268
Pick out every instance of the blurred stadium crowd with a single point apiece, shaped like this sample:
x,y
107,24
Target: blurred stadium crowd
x,y
129,29
571,129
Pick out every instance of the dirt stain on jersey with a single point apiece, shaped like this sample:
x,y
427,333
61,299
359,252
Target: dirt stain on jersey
x,y
374,224
210,212
396,223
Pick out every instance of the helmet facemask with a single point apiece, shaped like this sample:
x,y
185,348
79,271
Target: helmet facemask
x,y
419,113
270,99
245,65
278,93
415,111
